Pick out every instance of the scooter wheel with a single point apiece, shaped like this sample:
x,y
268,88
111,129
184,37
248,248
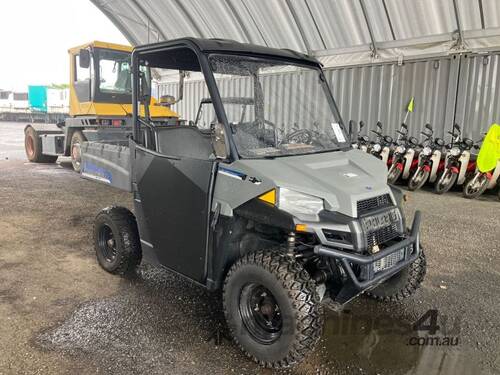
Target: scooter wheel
x,y
474,188
445,182
394,174
418,179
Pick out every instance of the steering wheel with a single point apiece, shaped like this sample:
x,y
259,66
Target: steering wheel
x,y
300,136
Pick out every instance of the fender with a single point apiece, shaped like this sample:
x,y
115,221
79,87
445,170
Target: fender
x,y
410,154
464,163
384,154
435,159
494,176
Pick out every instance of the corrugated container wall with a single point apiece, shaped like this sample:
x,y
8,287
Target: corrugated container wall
x,y
455,89
478,99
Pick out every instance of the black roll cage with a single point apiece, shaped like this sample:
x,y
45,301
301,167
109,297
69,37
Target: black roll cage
x,y
202,48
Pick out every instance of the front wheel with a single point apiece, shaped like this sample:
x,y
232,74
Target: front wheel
x,y
394,173
272,308
476,186
445,182
403,284
418,179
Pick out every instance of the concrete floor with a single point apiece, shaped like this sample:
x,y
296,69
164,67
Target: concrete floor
x,y
61,313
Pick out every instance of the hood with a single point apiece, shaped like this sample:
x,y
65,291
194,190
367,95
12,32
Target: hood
x,y
340,178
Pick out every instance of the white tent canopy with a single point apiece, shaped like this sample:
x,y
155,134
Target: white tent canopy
x,y
338,32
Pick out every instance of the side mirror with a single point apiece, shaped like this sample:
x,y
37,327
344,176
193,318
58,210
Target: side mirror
x,y
84,59
428,126
361,125
219,143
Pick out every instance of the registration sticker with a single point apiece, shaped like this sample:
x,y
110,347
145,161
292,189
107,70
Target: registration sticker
x,y
338,132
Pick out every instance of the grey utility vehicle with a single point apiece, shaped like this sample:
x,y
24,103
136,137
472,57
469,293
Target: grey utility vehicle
x,y
259,196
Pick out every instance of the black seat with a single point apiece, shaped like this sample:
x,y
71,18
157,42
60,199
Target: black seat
x,y
183,141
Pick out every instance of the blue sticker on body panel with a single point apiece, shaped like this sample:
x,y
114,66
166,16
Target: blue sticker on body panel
x,y
232,173
95,172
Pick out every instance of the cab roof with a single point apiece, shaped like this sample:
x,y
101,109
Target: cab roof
x,y
98,44
230,46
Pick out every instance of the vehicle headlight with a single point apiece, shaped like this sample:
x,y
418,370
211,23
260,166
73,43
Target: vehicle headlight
x,y
426,151
400,149
299,203
376,147
455,151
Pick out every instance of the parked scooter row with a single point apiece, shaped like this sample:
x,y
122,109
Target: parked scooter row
x,y
429,160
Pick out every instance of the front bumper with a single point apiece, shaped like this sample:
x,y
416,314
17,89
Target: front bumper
x,y
410,243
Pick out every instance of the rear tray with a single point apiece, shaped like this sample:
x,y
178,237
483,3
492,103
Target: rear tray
x,y
107,163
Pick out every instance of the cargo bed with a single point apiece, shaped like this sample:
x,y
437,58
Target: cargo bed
x,y
108,163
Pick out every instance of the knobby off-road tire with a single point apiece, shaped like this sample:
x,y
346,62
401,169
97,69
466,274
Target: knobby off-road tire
x,y
116,240
76,150
403,284
284,281
33,147
418,179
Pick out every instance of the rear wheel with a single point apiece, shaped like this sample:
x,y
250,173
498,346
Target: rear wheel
x,y
116,240
445,182
418,179
403,284
76,143
272,308
476,186
33,147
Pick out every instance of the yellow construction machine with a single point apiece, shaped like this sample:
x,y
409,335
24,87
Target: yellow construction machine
x,y
100,107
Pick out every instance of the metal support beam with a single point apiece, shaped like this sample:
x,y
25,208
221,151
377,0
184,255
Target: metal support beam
x,y
188,17
239,20
459,25
114,20
156,27
370,30
299,26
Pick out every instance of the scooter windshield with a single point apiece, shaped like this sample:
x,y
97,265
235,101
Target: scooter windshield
x,y
276,108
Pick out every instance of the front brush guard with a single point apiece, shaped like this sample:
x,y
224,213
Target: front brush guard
x,y
411,244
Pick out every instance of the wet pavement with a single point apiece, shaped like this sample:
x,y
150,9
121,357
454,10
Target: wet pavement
x,y
61,313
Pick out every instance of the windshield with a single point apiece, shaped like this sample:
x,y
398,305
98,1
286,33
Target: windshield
x,y
114,72
282,109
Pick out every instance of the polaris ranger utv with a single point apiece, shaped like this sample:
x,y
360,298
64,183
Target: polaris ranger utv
x,y
271,206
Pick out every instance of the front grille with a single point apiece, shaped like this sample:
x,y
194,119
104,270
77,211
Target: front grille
x,y
370,204
389,261
382,235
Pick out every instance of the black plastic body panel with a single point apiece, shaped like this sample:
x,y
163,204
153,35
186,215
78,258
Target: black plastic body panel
x,y
172,202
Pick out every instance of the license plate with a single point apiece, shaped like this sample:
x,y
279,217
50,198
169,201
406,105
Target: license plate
x,y
389,261
375,222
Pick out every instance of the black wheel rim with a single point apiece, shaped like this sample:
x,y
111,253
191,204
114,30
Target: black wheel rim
x,y
106,243
260,313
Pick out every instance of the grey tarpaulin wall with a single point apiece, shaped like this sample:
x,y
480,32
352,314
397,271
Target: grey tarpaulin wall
x,y
378,53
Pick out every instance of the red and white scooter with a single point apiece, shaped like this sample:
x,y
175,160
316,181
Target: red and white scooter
x,y
458,163
403,158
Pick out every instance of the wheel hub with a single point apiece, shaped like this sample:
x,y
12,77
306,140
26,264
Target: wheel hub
x,y
106,243
260,313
